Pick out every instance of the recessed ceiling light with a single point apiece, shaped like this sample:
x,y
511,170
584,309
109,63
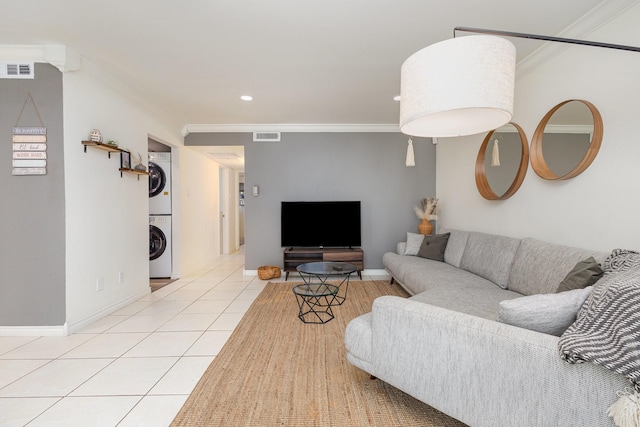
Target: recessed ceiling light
x,y
396,98
246,98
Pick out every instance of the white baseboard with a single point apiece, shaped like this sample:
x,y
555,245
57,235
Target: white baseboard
x,y
77,326
249,272
34,331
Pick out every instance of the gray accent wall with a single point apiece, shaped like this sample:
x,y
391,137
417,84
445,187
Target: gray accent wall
x,y
369,167
32,225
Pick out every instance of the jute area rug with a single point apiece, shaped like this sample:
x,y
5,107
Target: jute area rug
x,y
278,371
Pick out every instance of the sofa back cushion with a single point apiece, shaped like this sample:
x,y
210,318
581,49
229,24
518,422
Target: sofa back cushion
x,y
455,247
490,256
539,267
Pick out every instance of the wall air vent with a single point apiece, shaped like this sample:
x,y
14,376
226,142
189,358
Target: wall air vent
x,y
266,137
16,70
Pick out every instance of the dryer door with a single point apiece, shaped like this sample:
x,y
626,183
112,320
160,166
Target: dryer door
x,y
157,179
157,242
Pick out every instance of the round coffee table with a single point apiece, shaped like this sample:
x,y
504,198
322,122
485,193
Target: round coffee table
x,y
321,272
314,301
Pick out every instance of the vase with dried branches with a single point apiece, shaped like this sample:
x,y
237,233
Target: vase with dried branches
x,y
426,213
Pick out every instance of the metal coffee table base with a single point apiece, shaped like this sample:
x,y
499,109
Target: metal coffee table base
x,y
314,302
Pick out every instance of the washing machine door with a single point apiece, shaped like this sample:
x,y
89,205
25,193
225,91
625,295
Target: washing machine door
x,y
157,242
157,179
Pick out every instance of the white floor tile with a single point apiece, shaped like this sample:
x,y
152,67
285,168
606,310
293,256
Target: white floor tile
x,y
161,344
207,306
141,323
102,325
249,294
106,346
56,378
47,347
127,376
239,306
185,295
154,411
11,343
189,322
165,307
226,322
209,344
183,376
17,412
133,308
87,411
220,294
12,370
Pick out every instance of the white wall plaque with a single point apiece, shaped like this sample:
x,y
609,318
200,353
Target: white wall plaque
x,y
29,163
29,171
29,147
29,138
29,154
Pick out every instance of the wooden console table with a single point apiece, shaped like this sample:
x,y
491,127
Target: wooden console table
x,y
293,257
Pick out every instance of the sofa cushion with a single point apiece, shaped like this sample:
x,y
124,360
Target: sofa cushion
x,y
474,297
455,247
539,267
490,256
585,273
414,240
547,313
418,277
433,247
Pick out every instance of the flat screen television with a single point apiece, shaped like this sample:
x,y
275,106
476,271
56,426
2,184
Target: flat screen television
x,y
320,224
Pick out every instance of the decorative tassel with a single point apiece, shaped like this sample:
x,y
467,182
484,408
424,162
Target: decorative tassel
x,y
410,158
625,412
495,155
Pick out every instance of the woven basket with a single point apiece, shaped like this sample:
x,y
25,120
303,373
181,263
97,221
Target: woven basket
x,y
267,272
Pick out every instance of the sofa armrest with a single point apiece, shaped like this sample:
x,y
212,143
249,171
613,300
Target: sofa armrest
x,y
483,372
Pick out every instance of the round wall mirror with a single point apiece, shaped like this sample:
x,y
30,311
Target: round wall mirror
x,y
567,140
502,162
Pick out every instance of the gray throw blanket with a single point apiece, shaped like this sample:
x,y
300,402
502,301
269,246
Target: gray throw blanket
x,y
607,329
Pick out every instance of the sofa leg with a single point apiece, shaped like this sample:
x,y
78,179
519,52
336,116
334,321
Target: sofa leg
x,y
372,377
392,281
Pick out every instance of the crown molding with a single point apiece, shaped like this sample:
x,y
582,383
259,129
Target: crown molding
x,y
595,18
60,56
287,127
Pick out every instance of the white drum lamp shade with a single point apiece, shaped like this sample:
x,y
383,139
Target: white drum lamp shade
x,y
461,86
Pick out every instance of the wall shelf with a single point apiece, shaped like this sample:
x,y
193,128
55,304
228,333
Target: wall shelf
x,y
133,171
101,146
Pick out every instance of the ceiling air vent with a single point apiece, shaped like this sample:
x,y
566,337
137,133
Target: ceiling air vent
x,y
266,137
16,70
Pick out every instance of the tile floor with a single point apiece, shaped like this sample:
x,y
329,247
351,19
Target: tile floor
x,y
135,367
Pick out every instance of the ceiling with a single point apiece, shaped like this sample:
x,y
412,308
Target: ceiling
x,y
303,61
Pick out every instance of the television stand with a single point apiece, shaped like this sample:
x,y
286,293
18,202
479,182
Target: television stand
x,y
293,257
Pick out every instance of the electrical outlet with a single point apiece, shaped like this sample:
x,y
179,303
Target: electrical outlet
x,y
121,277
99,284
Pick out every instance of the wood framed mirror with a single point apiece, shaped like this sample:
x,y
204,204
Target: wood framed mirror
x,y
566,140
500,180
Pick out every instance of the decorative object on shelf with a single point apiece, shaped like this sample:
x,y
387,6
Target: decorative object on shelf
x,y
125,160
139,166
95,136
426,214
112,143
267,272
410,156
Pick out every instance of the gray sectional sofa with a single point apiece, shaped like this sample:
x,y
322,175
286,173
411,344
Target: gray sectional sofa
x,y
445,346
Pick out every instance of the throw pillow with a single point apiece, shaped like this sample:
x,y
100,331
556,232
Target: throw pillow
x,y
547,313
585,273
433,247
414,240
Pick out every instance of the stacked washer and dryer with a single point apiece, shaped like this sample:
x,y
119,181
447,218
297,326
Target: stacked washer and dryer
x,y
159,215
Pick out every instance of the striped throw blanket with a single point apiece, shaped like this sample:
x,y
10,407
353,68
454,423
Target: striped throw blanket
x,y
607,329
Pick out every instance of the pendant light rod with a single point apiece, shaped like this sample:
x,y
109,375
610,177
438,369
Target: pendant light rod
x,y
545,38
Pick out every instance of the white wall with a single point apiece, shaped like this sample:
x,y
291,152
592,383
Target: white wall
x,y
600,208
107,215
